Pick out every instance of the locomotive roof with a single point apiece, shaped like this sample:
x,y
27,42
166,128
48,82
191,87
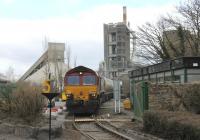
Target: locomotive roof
x,y
80,69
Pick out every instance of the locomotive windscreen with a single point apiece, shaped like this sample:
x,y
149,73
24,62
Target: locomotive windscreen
x,y
89,80
73,80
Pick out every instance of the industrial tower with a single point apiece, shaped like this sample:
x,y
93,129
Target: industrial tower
x,y
117,47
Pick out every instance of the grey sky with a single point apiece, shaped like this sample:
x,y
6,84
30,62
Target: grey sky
x,y
22,36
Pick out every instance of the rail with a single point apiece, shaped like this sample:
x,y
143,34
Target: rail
x,y
113,131
134,133
99,125
82,132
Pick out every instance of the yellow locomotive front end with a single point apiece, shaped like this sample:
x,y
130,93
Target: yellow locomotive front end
x,y
83,93
81,90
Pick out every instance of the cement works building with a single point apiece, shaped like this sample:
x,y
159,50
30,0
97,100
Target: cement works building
x,y
51,63
117,51
179,70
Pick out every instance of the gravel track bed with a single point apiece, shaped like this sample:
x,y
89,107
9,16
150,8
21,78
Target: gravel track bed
x,y
94,131
129,128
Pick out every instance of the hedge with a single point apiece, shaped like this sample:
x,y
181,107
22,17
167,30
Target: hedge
x,y
172,125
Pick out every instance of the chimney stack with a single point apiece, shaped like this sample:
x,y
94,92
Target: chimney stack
x,y
124,15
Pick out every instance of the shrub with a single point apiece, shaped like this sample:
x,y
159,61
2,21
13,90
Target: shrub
x,y
6,97
172,125
191,98
27,102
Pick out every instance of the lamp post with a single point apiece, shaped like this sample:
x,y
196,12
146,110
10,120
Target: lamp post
x,y
50,96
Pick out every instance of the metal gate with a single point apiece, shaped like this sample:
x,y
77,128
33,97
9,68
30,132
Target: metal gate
x,y
139,98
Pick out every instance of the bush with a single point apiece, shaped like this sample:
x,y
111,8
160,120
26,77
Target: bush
x,y
26,103
172,125
6,97
191,98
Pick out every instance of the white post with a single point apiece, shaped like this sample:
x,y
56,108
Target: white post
x,y
119,106
115,106
116,84
119,95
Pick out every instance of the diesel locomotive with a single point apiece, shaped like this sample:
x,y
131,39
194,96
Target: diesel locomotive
x,y
84,91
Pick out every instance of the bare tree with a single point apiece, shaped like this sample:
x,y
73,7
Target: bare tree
x,y
171,37
189,21
10,74
75,59
47,64
190,11
53,66
68,56
59,69
57,64
159,42
101,69
151,46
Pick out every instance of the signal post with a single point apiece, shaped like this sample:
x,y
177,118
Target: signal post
x,y
49,91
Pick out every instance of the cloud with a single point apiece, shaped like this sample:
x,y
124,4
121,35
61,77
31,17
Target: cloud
x,y
8,2
21,41
71,2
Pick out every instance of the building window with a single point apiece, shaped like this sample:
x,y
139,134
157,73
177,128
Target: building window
x,y
119,43
119,30
113,36
114,50
176,79
119,38
114,74
113,58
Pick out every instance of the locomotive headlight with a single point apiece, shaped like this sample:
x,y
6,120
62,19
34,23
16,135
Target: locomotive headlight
x,y
69,95
93,94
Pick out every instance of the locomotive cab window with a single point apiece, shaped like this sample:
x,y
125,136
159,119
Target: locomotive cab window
x,y
73,80
89,80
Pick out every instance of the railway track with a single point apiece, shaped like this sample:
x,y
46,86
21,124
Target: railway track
x,y
131,133
95,130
